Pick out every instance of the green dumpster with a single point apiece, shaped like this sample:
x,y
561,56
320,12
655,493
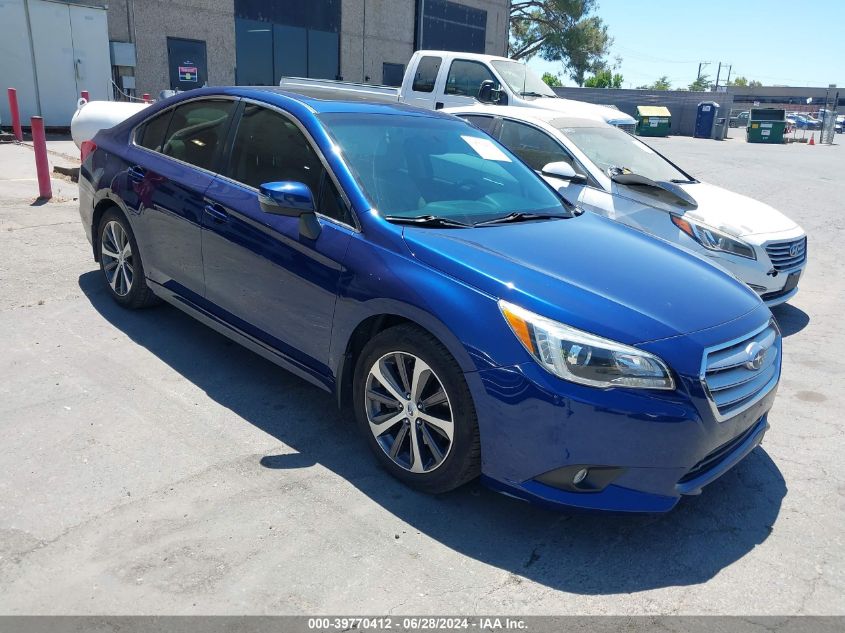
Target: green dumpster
x,y
653,121
766,125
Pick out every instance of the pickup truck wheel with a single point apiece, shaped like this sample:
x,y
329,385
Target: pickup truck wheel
x,y
413,405
121,263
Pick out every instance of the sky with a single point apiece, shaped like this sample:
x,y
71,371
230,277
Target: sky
x,y
775,42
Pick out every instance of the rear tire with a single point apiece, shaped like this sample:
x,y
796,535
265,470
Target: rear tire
x,y
120,262
415,410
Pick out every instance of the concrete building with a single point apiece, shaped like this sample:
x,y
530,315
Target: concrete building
x,y
164,44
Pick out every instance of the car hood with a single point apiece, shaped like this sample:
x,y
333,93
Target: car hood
x,y
574,108
734,213
591,273
731,212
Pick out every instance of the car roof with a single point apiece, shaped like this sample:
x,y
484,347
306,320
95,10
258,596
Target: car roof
x,y
283,98
540,115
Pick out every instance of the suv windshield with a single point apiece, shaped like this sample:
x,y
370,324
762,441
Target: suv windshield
x,y
522,79
430,167
616,152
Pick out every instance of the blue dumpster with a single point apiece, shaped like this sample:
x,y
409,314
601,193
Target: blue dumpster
x,y
705,119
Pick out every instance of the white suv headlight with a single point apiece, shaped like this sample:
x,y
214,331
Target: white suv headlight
x,y
583,357
713,239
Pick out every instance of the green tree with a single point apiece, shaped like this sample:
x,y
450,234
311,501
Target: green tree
x,y
604,79
738,81
552,80
560,30
661,84
755,84
701,84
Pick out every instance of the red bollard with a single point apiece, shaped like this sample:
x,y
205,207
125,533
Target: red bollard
x,y
84,94
42,166
16,115
146,97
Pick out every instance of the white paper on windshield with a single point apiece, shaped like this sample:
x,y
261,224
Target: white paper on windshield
x,y
485,148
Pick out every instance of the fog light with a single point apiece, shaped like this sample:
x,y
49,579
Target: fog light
x,y
580,476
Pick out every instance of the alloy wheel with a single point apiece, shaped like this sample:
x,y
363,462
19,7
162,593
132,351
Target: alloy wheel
x,y
116,256
409,412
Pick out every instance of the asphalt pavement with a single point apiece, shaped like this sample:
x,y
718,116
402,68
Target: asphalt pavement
x,y
150,466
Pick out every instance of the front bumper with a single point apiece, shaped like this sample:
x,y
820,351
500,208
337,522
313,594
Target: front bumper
x,y
660,445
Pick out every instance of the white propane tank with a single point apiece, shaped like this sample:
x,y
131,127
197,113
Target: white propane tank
x,y
92,116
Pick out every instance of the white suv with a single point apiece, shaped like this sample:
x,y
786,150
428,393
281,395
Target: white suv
x,y
605,170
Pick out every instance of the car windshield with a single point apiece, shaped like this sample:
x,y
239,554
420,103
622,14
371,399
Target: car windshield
x,y
426,167
522,80
617,152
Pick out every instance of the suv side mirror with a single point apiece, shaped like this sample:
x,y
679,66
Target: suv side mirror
x,y
562,170
489,92
292,199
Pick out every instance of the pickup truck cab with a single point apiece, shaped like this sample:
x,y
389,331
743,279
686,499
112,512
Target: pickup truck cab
x,y
446,79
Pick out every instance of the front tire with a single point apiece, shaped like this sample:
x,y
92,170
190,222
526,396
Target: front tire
x,y
120,262
415,410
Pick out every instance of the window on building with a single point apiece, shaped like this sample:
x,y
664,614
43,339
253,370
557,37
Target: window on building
x,y
451,26
465,77
392,74
426,74
197,130
295,38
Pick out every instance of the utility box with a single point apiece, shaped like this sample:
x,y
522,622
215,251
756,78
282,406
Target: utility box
x,y
705,119
51,52
766,125
653,121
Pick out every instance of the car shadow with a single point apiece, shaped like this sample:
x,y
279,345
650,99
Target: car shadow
x,y
790,319
577,553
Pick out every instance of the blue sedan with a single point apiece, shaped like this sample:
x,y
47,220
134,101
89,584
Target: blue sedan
x,y
472,321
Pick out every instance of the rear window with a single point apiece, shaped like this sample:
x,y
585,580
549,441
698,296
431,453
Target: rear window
x,y
151,133
197,130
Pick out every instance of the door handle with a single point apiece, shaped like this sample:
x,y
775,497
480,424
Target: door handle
x,y
216,212
136,173
438,105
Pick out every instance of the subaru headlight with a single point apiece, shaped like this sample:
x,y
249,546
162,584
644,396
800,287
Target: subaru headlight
x,y
713,239
585,358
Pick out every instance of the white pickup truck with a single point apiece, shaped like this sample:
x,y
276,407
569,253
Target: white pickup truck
x,y
446,79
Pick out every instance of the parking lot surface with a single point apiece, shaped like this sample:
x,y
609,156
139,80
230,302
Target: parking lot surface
x,y
150,466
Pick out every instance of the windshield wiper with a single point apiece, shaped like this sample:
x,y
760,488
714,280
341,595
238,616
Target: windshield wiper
x,y
661,187
427,220
684,181
533,94
523,216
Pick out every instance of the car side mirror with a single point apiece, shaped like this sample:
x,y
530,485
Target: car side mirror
x,y
292,199
562,170
489,92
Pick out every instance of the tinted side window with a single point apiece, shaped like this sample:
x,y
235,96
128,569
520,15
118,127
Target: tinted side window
x,y
426,74
465,78
151,134
484,123
332,204
197,130
533,146
268,147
